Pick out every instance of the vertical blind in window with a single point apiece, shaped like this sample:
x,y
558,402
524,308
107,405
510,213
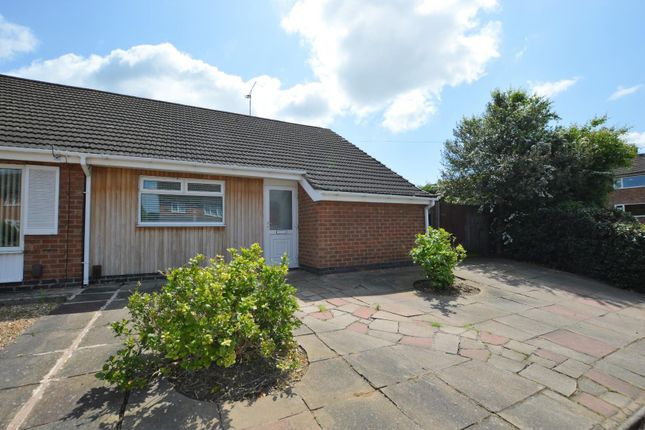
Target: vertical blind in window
x,y
10,207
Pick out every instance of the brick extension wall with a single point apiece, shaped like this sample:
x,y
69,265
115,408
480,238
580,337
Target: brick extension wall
x,y
348,235
61,254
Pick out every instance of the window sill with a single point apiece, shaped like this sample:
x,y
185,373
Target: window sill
x,y
11,251
182,225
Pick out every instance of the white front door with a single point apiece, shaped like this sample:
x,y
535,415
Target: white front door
x,y
11,225
281,223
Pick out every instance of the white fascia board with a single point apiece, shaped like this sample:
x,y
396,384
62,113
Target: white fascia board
x,y
45,155
340,196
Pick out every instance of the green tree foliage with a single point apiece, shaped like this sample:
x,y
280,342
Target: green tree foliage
x,y
214,314
436,254
514,158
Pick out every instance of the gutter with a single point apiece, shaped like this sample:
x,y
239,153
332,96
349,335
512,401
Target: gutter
x,y
87,170
45,155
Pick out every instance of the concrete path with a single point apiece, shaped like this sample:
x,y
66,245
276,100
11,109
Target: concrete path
x,y
535,348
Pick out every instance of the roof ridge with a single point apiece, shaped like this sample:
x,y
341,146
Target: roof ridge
x,y
260,118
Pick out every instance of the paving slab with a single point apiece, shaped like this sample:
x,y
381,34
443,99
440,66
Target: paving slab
x,y
88,360
301,421
100,335
527,325
38,343
544,412
621,373
507,364
347,341
567,352
315,348
370,411
627,359
580,343
30,369
501,329
495,389
416,329
273,407
492,422
433,404
337,323
11,400
77,402
446,342
330,380
556,381
620,322
572,368
161,406
386,366
50,323
385,325
473,313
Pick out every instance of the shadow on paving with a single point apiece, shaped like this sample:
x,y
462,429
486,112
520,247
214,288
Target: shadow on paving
x,y
550,281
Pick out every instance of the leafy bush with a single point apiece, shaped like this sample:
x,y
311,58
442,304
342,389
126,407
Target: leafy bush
x,y
208,314
436,254
604,244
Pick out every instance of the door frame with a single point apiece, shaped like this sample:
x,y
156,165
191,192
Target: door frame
x,y
19,250
274,184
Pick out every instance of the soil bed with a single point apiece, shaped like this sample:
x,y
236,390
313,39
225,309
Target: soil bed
x,y
14,319
459,288
248,380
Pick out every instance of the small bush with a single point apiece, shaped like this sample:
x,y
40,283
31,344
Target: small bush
x,y
436,254
208,314
604,244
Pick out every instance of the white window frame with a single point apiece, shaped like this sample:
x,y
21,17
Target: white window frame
x,y
621,207
182,192
623,187
23,191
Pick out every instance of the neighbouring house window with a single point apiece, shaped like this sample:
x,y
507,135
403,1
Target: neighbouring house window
x,y
630,182
180,202
638,209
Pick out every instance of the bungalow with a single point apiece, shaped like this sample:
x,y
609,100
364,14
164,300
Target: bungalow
x,y
96,185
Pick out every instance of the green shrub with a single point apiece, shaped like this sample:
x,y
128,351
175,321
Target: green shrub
x,y
604,244
436,254
208,314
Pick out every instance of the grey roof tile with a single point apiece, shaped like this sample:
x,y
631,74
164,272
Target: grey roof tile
x,y
36,114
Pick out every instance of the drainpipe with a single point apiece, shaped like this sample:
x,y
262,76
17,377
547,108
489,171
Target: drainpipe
x,y
86,233
426,211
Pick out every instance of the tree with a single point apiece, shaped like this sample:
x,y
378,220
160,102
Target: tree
x,y
515,159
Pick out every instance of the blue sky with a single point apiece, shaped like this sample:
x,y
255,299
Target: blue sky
x,y
393,78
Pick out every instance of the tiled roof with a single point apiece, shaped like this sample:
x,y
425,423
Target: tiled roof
x,y
36,114
637,167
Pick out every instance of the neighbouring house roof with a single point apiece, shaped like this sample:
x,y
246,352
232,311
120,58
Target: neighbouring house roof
x,y
637,167
36,114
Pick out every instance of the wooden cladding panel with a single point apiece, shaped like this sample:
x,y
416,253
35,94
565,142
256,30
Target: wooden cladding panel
x,y
122,248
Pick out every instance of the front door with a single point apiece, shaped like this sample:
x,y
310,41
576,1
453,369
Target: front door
x,y
281,223
11,215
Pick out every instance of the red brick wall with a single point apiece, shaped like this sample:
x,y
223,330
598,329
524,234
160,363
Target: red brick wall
x,y
336,235
62,254
628,196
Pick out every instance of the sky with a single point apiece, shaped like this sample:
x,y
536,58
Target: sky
x,y
393,77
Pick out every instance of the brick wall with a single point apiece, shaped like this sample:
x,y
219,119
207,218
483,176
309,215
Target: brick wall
x,y
62,254
343,235
628,196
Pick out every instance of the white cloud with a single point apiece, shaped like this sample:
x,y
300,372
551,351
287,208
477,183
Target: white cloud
x,y
15,38
163,72
552,89
394,57
622,92
637,139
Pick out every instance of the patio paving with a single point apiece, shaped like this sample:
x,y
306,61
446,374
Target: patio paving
x,y
536,348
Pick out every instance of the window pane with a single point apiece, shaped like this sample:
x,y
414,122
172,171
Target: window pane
x,y
150,184
634,181
205,187
181,208
636,210
10,180
280,210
